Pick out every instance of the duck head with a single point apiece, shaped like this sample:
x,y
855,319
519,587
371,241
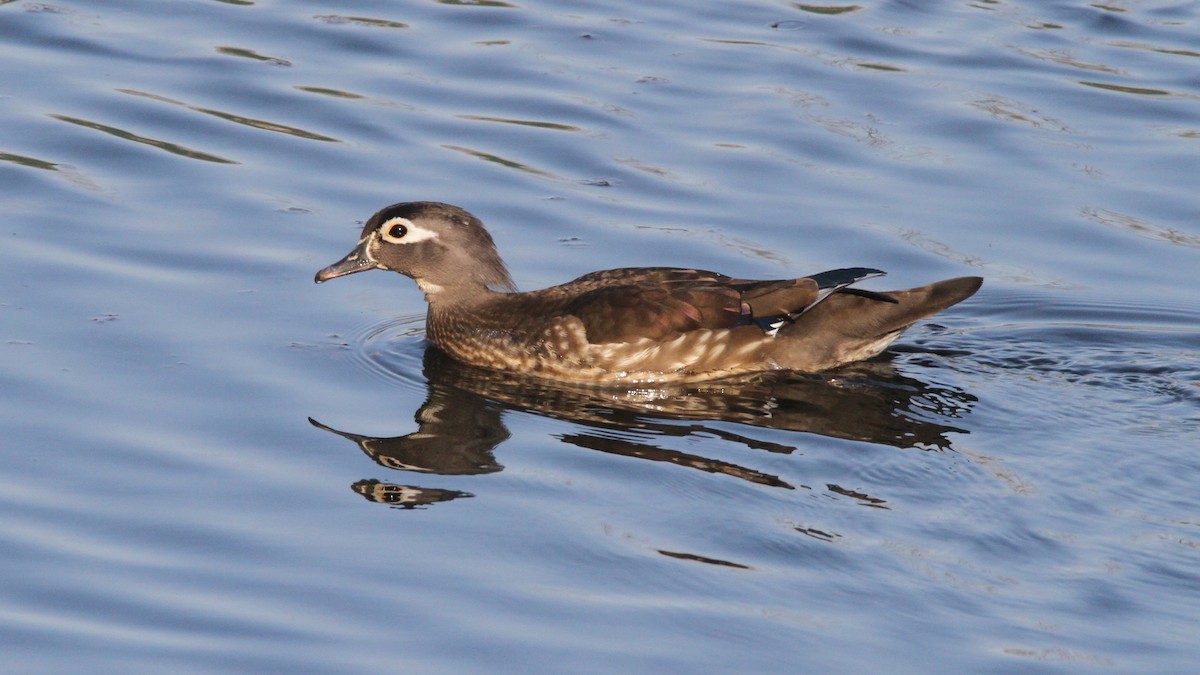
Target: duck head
x,y
440,246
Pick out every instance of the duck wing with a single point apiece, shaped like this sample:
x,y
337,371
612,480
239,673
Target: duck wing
x,y
662,303
633,312
793,297
776,303
647,276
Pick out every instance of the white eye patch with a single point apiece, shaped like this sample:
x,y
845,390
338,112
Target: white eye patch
x,y
401,230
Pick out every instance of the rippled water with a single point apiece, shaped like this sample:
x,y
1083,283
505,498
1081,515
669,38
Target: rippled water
x,y
1012,488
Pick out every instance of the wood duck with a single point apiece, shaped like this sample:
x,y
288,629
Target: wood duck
x,y
631,325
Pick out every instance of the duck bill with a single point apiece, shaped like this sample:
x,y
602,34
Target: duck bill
x,y
357,260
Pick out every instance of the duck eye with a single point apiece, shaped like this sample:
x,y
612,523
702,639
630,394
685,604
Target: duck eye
x,y
398,229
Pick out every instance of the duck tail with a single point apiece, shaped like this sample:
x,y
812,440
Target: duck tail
x,y
851,326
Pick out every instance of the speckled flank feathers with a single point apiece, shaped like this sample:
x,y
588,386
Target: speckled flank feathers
x,y
631,325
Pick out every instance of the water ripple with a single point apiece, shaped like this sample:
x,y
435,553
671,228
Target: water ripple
x,y
244,53
391,351
360,20
1122,351
173,148
237,119
501,161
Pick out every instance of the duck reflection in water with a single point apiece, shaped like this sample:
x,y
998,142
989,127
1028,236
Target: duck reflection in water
x,y
460,424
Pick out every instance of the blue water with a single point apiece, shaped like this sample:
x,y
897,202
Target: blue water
x,y
1013,488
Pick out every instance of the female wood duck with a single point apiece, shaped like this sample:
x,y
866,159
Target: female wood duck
x,y
631,325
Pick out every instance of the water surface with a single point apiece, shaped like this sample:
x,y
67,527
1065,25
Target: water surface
x,y
1011,488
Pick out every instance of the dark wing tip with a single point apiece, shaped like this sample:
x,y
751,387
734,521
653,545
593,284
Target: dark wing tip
x,y
844,276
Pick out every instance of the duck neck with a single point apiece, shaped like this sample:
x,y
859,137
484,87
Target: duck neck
x,y
469,325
